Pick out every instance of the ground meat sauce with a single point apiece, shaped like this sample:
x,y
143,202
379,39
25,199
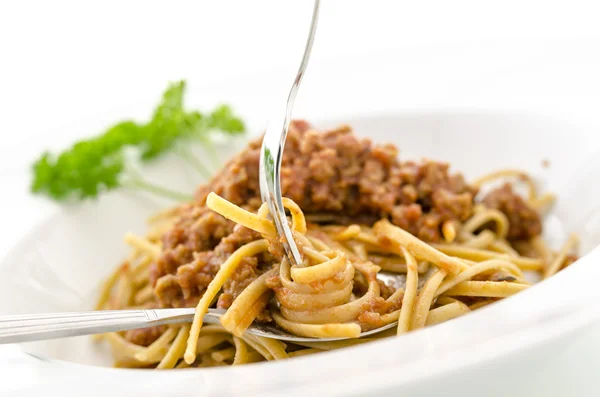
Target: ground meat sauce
x,y
524,221
333,173
192,277
145,336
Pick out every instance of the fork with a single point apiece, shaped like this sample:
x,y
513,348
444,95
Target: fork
x,y
33,327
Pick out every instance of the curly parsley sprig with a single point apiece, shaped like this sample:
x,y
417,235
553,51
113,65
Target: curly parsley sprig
x,y
99,164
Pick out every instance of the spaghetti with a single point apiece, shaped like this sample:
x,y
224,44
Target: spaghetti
x,y
452,252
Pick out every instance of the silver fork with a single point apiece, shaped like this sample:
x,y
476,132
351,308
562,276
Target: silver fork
x,y
33,327
271,153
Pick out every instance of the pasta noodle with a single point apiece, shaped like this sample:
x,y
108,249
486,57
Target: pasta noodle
x,y
336,292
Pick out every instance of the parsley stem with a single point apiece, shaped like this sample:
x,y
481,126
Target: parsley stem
x,y
138,183
212,152
185,153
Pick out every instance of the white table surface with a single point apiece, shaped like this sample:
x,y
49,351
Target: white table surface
x,y
68,68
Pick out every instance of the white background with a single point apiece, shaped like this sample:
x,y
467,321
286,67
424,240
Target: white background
x,y
69,68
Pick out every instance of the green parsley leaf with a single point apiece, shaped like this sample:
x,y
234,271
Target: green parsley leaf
x,y
96,165
223,119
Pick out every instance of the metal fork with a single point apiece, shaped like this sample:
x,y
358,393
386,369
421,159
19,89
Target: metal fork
x,y
27,328
272,152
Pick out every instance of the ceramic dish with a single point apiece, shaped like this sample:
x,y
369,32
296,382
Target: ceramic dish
x,y
59,264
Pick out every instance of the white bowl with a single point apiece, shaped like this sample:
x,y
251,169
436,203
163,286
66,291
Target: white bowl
x,y
59,265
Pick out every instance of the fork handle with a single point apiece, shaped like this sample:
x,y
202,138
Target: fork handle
x,y
27,328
